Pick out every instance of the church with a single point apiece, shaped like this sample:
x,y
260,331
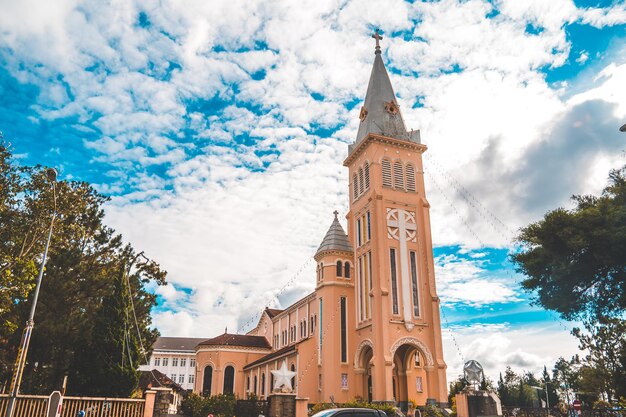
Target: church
x,y
371,328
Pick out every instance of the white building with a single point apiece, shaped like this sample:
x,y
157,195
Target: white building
x,y
176,358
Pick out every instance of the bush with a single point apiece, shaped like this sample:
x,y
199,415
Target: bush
x,y
222,405
431,411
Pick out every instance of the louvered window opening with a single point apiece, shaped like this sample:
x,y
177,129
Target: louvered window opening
x,y
386,168
355,187
398,175
410,178
367,176
361,181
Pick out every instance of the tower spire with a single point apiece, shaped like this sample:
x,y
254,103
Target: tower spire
x,y
380,114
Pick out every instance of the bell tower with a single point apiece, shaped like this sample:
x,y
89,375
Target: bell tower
x,y
398,348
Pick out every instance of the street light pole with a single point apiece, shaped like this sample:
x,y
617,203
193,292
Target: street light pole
x,y
20,361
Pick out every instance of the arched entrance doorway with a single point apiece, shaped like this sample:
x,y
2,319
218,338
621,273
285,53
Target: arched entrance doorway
x,y
410,361
207,380
363,363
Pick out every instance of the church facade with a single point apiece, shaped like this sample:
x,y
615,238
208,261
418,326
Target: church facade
x,y
371,329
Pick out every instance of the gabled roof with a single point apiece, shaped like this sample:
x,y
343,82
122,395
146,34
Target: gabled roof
x,y
273,312
244,340
380,113
272,355
335,239
177,343
154,378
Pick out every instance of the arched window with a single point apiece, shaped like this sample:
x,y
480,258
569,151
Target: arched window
x,y
248,383
254,386
339,268
206,381
293,380
366,170
410,178
355,186
360,181
386,170
347,270
321,270
398,175
271,382
229,380
263,384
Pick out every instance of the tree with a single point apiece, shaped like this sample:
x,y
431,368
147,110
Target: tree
x,y
605,341
574,259
89,289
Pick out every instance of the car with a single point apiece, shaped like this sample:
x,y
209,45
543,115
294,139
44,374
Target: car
x,y
350,412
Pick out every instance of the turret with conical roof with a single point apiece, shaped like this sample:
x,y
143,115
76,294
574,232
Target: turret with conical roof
x,y
334,254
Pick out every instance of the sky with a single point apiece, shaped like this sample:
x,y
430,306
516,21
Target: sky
x,y
219,129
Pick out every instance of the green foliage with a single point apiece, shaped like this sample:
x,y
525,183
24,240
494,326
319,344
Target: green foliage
x,y
430,411
219,405
84,309
574,259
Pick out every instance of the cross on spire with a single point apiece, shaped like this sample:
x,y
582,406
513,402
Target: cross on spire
x,y
336,213
377,36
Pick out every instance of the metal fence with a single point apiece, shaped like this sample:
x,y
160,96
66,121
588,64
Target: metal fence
x,y
36,405
555,412
103,407
251,408
25,405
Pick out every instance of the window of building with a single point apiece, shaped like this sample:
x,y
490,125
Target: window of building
x,y
263,384
183,362
207,380
173,378
181,379
366,171
394,281
418,361
165,361
347,270
157,361
174,361
386,171
355,187
254,385
358,232
344,326
361,180
293,379
191,378
398,175
248,383
369,229
339,268
416,306
344,381
229,380
410,178
319,382
192,363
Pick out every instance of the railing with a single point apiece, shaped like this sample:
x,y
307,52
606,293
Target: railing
x,y
25,405
36,405
103,407
555,412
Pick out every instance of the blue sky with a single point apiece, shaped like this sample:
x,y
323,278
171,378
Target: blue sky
x,y
219,131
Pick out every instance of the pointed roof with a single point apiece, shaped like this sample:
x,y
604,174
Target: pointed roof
x,y
380,113
228,339
335,239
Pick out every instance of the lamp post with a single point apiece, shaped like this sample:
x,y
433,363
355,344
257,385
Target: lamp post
x,y
545,384
20,361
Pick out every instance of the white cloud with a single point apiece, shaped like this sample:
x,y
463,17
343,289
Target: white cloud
x,y
526,347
